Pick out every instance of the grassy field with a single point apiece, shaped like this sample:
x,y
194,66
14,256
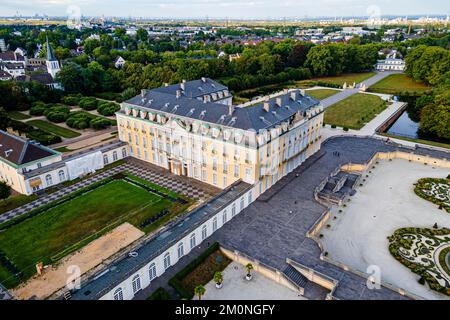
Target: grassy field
x,y
427,142
354,111
347,78
16,115
54,129
321,94
397,83
57,229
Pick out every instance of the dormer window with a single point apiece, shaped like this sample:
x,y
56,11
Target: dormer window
x,y
8,152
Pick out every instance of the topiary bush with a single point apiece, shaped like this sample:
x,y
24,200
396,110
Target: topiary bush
x,y
107,108
72,99
38,108
88,103
57,113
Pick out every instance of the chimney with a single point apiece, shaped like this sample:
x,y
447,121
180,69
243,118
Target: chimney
x,y
179,92
230,110
302,92
143,93
203,79
182,85
294,95
279,101
266,106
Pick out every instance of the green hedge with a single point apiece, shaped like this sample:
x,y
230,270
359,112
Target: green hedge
x,y
175,281
423,184
160,294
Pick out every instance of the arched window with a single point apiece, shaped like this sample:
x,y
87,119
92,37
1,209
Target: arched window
x,y
62,176
152,271
115,156
167,261
136,283
224,217
214,224
48,180
124,153
193,241
204,232
118,294
105,159
180,250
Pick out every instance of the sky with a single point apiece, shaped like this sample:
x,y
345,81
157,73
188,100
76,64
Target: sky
x,y
224,8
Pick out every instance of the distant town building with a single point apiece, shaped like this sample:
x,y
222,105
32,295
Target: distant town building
x,y
391,63
120,62
5,76
2,45
14,69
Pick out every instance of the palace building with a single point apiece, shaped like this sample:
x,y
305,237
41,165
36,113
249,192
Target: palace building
x,y
194,130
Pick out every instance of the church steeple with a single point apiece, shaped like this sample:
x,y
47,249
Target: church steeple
x,y
50,55
52,63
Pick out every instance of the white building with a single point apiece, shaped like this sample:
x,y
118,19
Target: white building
x,y
28,167
391,64
119,63
14,69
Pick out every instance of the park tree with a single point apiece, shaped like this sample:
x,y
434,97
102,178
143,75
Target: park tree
x,y
298,54
142,34
71,77
5,191
5,121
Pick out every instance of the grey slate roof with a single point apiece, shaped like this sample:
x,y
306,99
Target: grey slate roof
x,y
195,88
248,118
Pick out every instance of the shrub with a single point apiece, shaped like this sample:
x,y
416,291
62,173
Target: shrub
x,y
72,99
57,113
333,126
129,93
100,123
107,108
88,103
345,129
79,120
38,108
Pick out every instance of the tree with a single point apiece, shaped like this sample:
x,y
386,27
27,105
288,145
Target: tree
x,y
5,121
71,77
218,278
298,55
199,291
5,191
142,34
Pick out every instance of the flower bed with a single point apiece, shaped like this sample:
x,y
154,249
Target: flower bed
x,y
435,190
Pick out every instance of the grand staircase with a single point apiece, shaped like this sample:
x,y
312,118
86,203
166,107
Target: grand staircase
x,y
296,277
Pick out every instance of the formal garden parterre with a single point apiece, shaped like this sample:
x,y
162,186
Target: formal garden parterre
x,y
426,253
53,231
435,190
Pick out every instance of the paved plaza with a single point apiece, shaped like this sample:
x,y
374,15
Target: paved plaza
x,y
236,287
274,228
386,202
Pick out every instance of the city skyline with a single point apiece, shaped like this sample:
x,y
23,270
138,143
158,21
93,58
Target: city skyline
x,y
233,9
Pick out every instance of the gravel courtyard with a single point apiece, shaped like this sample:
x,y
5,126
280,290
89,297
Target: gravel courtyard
x,y
236,287
386,202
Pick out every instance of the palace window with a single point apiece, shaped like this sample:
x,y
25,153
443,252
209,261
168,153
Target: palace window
x,y
48,180
136,283
233,210
152,271
193,241
118,294
214,224
105,159
167,261
115,156
124,153
62,176
204,232
180,250
224,217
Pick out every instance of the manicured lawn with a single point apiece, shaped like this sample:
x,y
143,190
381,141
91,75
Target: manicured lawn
x,y
69,226
427,142
354,111
396,83
16,115
321,94
349,78
53,129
